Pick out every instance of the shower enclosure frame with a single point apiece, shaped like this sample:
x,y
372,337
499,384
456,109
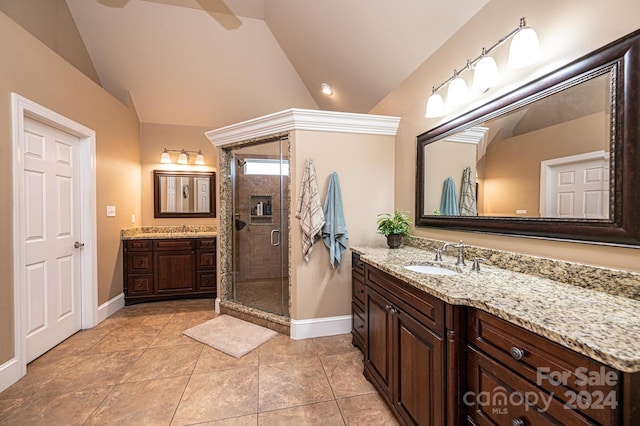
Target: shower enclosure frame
x,y
225,302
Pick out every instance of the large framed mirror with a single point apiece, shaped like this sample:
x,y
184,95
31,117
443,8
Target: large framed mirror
x,y
184,194
557,158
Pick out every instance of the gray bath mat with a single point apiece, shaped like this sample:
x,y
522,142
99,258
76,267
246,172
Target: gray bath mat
x,y
230,335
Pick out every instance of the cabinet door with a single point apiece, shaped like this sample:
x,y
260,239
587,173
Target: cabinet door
x,y
418,371
174,271
378,340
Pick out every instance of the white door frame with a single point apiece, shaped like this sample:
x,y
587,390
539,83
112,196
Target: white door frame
x,y
547,165
21,108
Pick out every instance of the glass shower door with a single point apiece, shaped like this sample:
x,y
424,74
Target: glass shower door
x,y
260,176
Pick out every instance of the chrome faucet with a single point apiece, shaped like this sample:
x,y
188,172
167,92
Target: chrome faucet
x,y
460,247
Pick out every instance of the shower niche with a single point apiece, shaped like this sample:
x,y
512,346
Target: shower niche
x,y
261,209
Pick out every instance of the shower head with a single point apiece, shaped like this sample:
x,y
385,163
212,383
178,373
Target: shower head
x,y
240,162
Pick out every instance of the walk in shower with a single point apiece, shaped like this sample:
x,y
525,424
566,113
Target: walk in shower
x,y
260,227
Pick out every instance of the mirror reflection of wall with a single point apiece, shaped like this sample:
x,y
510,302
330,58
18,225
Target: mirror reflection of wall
x,y
508,154
184,194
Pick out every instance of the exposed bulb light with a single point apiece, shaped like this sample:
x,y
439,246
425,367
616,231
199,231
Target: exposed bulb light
x,y
200,159
326,89
525,47
457,92
486,73
165,158
435,105
183,158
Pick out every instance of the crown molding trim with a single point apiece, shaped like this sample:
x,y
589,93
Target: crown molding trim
x,y
304,119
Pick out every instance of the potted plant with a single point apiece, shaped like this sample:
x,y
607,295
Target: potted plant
x,y
394,227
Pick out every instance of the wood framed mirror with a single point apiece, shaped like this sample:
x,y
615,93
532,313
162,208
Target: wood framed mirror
x,y
557,158
184,194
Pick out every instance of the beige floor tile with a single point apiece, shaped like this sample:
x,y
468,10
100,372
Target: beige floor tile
x,y
39,372
91,371
251,420
218,395
282,348
8,406
344,372
212,359
71,408
172,335
150,402
332,345
292,383
321,414
164,361
127,338
366,410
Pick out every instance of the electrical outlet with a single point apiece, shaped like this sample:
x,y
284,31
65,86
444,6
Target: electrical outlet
x,y
133,218
521,212
111,211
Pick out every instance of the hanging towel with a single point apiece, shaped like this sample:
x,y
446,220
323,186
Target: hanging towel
x,y
468,194
309,209
449,201
334,231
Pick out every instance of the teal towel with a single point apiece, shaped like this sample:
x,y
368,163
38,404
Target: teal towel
x,y
449,200
334,231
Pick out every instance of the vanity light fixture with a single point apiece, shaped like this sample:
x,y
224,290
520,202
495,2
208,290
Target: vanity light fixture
x,y
183,158
524,50
326,89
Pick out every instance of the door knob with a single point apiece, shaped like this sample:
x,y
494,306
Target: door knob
x,y
78,244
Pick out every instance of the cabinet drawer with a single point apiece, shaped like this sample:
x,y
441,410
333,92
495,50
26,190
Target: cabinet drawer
x,y
139,245
497,396
176,244
357,315
206,243
357,264
139,285
552,367
424,307
206,281
139,263
205,260
357,289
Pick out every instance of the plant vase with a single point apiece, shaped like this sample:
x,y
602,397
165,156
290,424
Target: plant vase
x,y
394,240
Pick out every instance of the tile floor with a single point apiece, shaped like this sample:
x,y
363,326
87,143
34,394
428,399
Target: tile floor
x,y
138,368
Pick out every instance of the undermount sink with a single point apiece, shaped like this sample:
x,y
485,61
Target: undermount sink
x,y
431,270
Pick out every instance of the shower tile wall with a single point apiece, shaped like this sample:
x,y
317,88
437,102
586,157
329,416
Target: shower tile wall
x,y
256,234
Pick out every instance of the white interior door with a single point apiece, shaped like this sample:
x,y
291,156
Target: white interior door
x,y
202,196
577,186
52,275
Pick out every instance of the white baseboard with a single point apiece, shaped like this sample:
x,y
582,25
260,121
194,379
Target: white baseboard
x,y
9,373
320,327
110,307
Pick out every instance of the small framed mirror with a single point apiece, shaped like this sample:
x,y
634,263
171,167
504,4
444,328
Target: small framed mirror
x,y
184,194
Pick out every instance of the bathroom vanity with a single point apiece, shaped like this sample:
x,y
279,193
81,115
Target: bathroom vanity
x,y
168,264
493,347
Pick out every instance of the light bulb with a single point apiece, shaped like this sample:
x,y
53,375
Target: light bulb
x,y
326,89
165,158
525,48
182,158
200,159
435,106
457,92
486,74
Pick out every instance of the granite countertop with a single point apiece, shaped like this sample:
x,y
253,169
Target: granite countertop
x,y
168,232
599,325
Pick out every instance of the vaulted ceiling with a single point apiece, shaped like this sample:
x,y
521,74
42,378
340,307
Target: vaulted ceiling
x,y
217,62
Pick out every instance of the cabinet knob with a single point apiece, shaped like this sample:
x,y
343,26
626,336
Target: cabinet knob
x,y
517,354
517,422
139,262
360,291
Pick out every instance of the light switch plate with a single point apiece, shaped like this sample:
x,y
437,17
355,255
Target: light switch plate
x,y
111,211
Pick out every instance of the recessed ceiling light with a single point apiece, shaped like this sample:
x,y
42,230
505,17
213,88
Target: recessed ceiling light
x,y
326,89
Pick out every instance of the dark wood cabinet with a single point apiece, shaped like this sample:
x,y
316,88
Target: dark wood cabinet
x,y
404,354
439,364
169,268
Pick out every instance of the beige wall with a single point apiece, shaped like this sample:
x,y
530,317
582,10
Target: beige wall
x,y
32,70
153,139
567,30
364,164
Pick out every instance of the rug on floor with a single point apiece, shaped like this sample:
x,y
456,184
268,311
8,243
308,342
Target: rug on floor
x,y
230,335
